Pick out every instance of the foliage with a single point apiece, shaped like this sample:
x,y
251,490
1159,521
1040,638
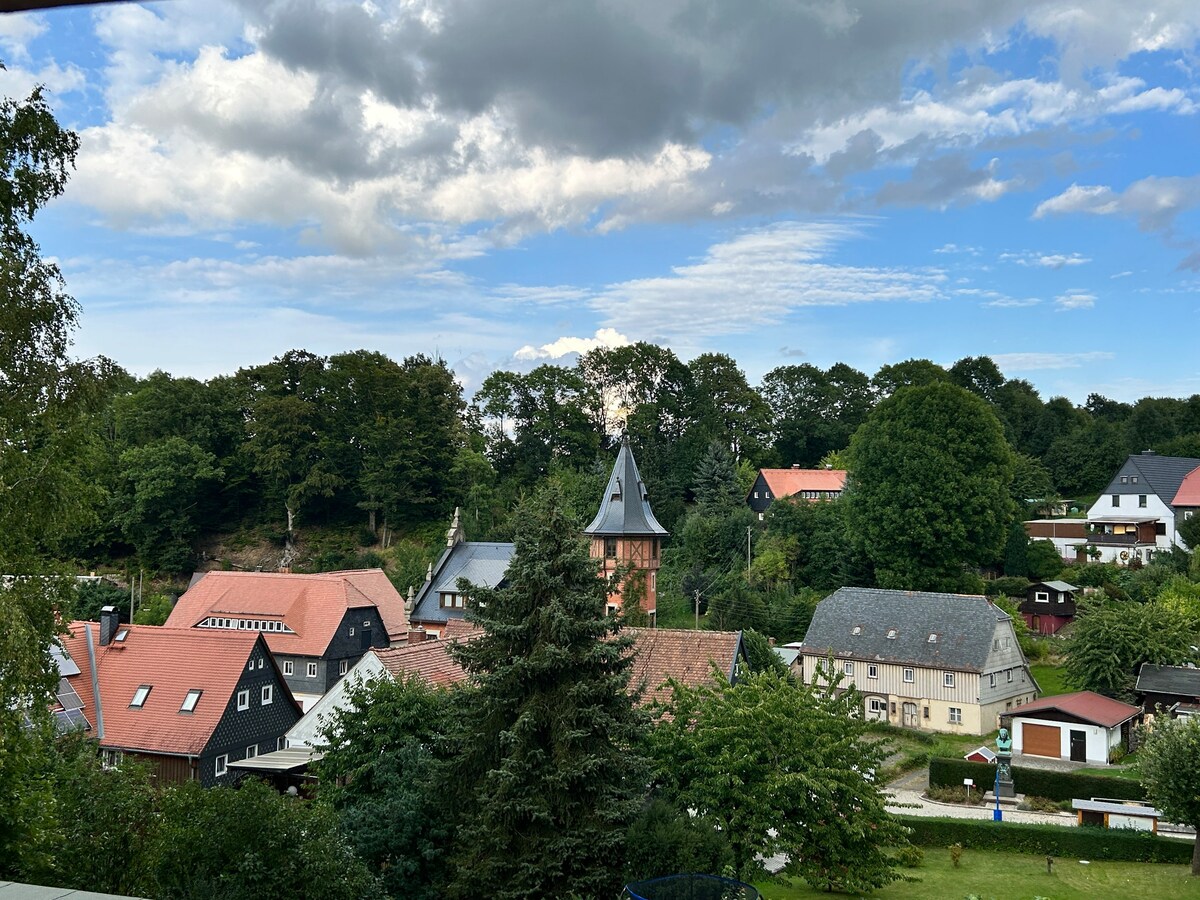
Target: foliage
x,y
665,841
1169,764
779,767
1043,561
1189,531
928,494
946,772
154,610
1047,840
1111,640
761,654
813,540
548,759
93,596
1025,637
251,841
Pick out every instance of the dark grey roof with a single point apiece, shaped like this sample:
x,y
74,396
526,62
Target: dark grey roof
x,y
479,562
1161,474
964,625
625,508
1180,680
1061,586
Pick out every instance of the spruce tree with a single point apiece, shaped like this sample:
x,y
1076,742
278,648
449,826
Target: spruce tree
x,y
550,767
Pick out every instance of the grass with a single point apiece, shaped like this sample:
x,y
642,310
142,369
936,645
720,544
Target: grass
x,y
1125,771
1051,679
1016,876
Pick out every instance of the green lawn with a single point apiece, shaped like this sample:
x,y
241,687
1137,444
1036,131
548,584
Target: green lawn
x,y
1121,771
1050,679
1015,876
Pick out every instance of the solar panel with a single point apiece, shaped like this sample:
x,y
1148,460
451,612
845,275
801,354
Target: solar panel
x,y
67,698
70,720
66,665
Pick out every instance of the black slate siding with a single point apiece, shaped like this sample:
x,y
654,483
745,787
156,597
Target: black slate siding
x,y
368,632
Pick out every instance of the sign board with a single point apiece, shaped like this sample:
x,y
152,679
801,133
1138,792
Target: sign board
x,y
969,782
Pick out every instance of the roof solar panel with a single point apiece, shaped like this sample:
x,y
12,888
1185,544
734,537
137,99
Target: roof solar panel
x,y
70,720
66,665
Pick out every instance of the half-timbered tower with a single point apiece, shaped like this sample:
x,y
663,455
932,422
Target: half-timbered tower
x,y
625,535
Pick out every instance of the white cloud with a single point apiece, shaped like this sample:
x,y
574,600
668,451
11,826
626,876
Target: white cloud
x,y
16,33
1075,299
1096,199
1013,302
1046,260
955,248
605,337
1030,362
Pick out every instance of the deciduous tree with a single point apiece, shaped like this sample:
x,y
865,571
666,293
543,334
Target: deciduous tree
x,y
1111,640
1169,766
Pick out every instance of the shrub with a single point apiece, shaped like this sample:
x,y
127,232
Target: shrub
x,y
956,852
1009,586
1048,840
1041,804
956,794
946,772
910,856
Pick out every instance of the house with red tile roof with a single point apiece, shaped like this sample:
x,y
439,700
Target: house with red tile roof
x,y
317,626
187,701
1082,727
800,484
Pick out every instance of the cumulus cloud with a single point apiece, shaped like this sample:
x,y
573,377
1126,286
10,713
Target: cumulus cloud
x,y
604,337
1075,299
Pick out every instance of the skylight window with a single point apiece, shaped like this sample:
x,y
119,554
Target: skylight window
x,y
857,629
891,635
190,701
140,695
122,634
933,638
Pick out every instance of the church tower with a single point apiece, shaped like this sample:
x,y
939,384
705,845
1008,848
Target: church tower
x,y
626,534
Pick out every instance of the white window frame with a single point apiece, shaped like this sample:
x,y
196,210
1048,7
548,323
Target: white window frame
x,y
909,676
351,631
872,670
1041,596
311,671
140,695
194,696
955,715
260,663
250,666
875,705
288,668
992,680
848,668
343,666
243,700
221,767
268,694
948,679
251,751
1010,676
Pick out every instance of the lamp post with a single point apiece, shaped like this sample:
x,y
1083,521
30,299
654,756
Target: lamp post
x,y
997,815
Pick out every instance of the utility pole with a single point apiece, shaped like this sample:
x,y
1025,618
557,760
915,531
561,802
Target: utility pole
x,y
697,610
748,530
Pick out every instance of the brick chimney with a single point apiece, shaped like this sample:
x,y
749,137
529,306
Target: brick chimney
x,y
417,635
110,620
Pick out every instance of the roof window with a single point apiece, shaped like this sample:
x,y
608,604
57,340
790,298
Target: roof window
x,y
121,635
857,629
190,701
891,635
140,695
933,638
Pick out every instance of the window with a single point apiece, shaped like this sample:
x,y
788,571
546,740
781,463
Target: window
x,y
1116,499
281,743
222,765
933,638
312,670
260,663
992,680
250,666
926,712
252,751
139,696
891,635
243,699
955,715
857,629
610,548
1133,479
996,643
1142,501
1124,479
948,679
190,701
121,635
288,669
268,694
756,495
908,676
1010,676
654,549
351,631
872,671
1041,596
343,666
111,759
848,668
876,705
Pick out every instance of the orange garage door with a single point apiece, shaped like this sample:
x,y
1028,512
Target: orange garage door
x,y
1041,740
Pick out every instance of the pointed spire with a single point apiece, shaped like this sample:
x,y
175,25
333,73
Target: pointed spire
x,y
409,601
457,533
625,508
429,572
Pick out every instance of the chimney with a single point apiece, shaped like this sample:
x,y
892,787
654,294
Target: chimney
x,y
110,620
417,635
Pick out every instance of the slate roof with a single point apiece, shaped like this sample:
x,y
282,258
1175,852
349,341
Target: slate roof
x,y
1163,475
312,606
1087,706
964,624
1189,490
786,482
1180,680
625,509
173,661
480,562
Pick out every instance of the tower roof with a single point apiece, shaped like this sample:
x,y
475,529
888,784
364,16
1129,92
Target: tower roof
x,y
625,508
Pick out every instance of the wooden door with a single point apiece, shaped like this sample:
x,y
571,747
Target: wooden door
x,y
1078,746
910,715
1041,740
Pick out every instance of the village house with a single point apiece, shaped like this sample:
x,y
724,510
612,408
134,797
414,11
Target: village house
x,y
317,626
187,702
1171,690
1048,606
938,662
1081,727
797,483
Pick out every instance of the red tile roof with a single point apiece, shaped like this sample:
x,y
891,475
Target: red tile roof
x,y
1189,490
460,630
173,661
786,482
659,654
1085,705
312,606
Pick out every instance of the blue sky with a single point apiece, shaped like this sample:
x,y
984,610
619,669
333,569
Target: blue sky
x,y
811,182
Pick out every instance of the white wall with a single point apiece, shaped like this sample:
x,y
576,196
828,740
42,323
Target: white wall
x,y
306,732
1099,739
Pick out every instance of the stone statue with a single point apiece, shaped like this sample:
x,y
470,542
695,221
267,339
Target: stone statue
x,y
1003,742
1004,763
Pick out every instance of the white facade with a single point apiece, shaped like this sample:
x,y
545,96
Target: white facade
x,y
1099,740
307,731
1130,508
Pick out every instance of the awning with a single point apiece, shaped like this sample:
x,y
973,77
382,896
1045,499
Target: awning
x,y
279,760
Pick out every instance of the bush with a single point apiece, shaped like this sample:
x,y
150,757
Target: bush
x,y
1043,804
956,794
946,772
1048,840
910,856
1009,586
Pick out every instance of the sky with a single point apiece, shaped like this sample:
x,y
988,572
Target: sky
x,y
504,184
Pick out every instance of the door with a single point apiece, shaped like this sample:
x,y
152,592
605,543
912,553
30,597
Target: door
x,y
1041,740
1036,624
910,715
365,635
1078,746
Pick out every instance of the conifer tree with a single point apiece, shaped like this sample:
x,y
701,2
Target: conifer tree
x,y
550,766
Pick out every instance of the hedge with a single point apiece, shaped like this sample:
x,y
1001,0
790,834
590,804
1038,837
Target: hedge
x,y
948,772
1065,841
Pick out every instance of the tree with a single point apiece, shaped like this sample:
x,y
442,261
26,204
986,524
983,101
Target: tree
x,y
1169,767
717,489
929,487
1112,640
781,768
549,759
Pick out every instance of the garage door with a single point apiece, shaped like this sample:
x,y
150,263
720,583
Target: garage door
x,y
1041,740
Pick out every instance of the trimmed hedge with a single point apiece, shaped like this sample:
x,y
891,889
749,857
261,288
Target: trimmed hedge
x,y
1066,841
947,772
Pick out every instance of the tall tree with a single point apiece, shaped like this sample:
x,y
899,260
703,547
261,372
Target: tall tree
x,y
550,748
929,487
1110,642
1169,767
728,409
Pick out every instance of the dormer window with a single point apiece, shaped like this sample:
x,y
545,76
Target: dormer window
x,y
933,638
616,494
139,696
190,701
857,629
1124,479
891,635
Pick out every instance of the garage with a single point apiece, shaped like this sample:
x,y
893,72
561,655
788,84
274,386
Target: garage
x,y
1042,740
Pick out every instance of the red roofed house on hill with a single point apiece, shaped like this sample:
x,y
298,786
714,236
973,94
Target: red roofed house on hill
x,y
317,626
802,484
188,701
